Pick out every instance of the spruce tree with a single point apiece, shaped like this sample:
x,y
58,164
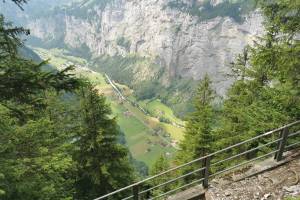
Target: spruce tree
x,y
266,94
102,163
198,139
35,162
23,81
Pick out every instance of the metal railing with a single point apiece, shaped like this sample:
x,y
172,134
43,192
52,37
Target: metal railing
x,y
212,164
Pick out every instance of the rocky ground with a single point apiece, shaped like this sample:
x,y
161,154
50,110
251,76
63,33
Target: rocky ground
x,y
277,184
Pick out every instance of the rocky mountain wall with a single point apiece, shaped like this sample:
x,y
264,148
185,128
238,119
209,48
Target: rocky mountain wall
x,y
178,41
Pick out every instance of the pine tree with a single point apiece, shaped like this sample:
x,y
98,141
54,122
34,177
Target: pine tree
x,y
268,94
198,140
35,162
199,134
103,164
47,150
22,81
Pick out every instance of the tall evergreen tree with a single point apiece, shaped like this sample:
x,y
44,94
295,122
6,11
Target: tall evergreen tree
x,y
266,94
103,164
198,140
34,161
46,150
199,137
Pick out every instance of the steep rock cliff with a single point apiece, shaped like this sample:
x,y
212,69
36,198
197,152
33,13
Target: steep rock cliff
x,y
181,43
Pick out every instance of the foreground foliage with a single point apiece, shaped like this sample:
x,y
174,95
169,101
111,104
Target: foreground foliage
x,y
52,146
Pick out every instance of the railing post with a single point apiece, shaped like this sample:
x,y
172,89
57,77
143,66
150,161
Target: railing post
x,y
281,144
135,192
206,171
148,193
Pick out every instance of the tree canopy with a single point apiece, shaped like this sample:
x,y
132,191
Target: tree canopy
x,y
57,137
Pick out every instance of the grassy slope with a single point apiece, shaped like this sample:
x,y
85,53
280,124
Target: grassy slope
x,y
143,143
158,109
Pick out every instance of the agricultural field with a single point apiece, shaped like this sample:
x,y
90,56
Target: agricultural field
x,y
158,109
147,136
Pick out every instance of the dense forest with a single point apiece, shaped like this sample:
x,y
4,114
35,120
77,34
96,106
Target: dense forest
x,y
59,139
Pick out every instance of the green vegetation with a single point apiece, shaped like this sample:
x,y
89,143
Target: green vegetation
x,y
198,139
146,78
162,164
177,95
99,157
205,11
124,42
141,139
57,137
139,129
158,109
124,69
292,198
265,95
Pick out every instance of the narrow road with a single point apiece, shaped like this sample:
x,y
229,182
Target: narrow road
x,y
115,88
122,96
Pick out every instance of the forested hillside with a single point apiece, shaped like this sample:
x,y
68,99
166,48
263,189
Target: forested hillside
x,y
60,124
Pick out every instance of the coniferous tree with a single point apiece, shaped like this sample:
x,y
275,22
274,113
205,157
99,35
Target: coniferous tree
x,y
266,94
38,149
23,81
103,164
198,140
34,161
44,141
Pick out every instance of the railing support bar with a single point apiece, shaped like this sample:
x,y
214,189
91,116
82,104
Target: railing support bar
x,y
148,193
206,171
281,145
135,192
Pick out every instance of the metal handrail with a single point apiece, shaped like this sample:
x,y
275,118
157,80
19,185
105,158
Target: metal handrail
x,y
244,163
173,180
293,134
279,151
291,145
245,152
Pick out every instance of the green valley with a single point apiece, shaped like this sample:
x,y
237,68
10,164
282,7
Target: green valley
x,y
147,135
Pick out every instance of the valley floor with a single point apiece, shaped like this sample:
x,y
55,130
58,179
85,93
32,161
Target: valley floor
x,y
146,136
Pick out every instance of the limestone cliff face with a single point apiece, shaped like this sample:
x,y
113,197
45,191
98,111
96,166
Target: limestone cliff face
x,y
180,42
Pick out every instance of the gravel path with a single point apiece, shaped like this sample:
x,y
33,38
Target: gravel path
x,y
277,184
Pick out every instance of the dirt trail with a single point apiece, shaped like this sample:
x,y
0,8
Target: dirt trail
x,y
277,184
